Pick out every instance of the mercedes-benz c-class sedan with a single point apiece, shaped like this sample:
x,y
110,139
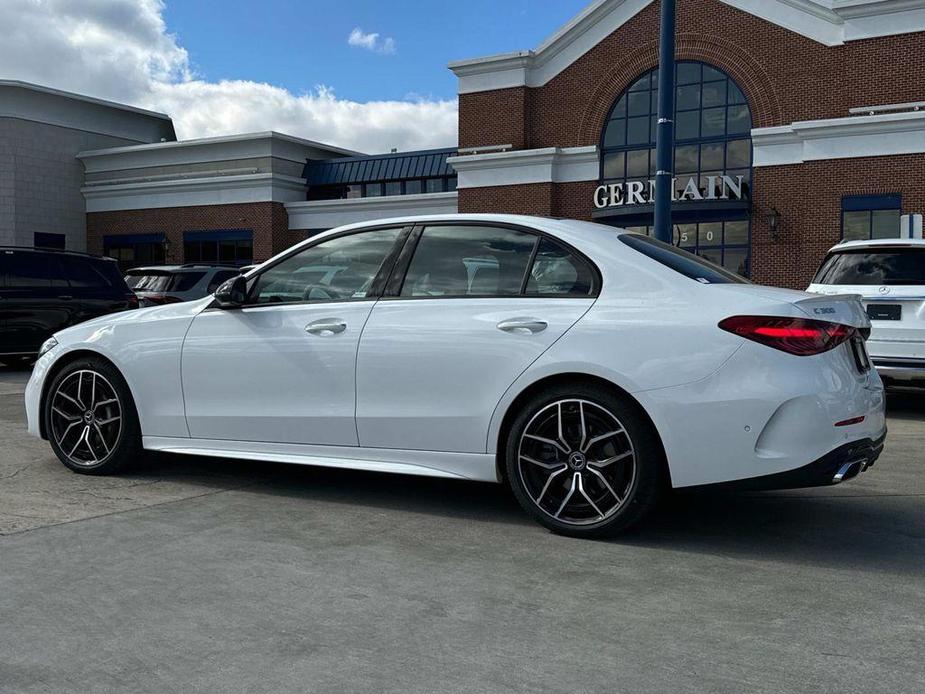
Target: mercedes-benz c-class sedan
x,y
588,368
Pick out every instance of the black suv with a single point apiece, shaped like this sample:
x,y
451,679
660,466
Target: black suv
x,y
42,292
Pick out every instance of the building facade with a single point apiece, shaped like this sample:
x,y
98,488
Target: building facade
x,y
798,124
41,132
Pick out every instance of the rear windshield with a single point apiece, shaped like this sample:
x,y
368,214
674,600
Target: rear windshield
x,y
866,266
681,261
163,281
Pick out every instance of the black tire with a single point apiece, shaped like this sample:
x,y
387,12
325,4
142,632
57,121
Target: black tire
x,y
109,445
530,462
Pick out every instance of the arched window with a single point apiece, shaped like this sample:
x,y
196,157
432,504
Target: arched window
x,y
712,140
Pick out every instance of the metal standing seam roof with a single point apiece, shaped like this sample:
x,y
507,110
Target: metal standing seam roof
x,y
429,163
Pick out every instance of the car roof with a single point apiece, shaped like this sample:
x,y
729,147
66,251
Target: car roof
x,y
178,268
877,243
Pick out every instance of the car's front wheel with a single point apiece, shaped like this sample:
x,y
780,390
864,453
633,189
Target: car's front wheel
x,y
90,418
584,461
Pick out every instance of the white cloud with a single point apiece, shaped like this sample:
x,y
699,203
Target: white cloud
x,y
371,42
121,50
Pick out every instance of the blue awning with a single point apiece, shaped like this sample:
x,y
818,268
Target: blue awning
x,y
429,163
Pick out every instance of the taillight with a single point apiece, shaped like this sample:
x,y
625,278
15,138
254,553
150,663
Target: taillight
x,y
132,300
800,336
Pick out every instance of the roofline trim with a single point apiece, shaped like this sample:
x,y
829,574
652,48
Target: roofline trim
x,y
82,97
832,23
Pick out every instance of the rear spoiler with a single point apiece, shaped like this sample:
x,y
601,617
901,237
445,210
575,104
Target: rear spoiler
x,y
835,308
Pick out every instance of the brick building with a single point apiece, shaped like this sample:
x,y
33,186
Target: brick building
x,y
798,123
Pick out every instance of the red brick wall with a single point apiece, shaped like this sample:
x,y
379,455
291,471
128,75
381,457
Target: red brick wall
x,y
785,76
268,220
808,197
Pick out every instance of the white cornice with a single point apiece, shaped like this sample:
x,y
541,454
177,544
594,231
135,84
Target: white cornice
x,y
829,22
208,149
546,165
327,214
214,190
840,138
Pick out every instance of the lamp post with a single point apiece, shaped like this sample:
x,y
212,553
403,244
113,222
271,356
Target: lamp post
x,y
664,141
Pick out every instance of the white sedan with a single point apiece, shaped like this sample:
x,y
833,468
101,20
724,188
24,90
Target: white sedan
x,y
588,368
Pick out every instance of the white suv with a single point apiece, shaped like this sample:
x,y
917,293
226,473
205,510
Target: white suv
x,y
889,275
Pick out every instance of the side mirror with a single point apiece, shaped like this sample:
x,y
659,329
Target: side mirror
x,y
232,293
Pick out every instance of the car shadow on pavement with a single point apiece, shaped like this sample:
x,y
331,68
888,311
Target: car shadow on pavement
x,y
860,532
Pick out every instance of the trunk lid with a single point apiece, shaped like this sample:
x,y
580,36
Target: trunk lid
x,y
845,309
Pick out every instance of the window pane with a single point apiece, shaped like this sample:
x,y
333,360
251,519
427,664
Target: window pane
x,y
687,125
680,261
556,272
711,73
373,190
739,119
615,136
637,163
468,261
31,270
710,234
244,252
412,187
81,273
226,251
738,154
208,251
685,159
393,188
713,122
711,156
619,108
638,131
434,185
354,191
339,269
856,225
639,104
451,183
735,94
688,73
890,266
885,224
688,97
736,261
685,235
736,233
613,165
714,94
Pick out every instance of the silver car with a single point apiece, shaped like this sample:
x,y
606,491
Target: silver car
x,y
167,284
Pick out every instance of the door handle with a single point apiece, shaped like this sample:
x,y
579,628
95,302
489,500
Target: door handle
x,y
326,327
523,325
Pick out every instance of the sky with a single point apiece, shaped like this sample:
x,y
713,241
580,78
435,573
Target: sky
x,y
361,74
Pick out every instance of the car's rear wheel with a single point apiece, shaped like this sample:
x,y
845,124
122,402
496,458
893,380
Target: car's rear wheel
x,y
584,461
90,418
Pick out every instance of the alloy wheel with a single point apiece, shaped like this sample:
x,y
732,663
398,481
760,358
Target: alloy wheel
x,y
576,462
86,418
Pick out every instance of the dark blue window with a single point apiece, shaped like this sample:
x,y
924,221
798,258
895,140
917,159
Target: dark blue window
x,y
135,250
224,246
866,217
46,240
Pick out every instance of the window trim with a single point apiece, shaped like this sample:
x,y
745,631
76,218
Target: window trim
x,y
400,271
375,288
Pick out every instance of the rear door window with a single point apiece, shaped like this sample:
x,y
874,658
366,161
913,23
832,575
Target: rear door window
x,y
80,273
889,266
458,261
559,272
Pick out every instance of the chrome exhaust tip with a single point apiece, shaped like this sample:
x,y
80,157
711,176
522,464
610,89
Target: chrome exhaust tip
x,y
848,471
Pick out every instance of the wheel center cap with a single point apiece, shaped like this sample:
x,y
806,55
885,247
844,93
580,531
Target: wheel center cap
x,y
577,460
88,416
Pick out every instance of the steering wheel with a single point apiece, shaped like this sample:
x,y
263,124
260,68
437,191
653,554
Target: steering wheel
x,y
319,292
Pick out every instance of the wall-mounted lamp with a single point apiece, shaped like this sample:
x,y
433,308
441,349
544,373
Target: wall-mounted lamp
x,y
165,244
774,223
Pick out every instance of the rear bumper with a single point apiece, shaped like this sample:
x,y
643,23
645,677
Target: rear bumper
x,y
840,465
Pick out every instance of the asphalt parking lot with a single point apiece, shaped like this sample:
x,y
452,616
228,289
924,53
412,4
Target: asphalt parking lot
x,y
208,575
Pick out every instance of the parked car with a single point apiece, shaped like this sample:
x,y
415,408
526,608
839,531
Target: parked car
x,y
43,291
169,284
588,368
889,276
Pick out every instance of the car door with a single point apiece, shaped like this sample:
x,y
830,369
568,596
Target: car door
x,y
282,367
36,300
475,307
91,292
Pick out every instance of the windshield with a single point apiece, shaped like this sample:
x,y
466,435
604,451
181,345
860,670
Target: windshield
x,y
163,281
867,266
681,261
